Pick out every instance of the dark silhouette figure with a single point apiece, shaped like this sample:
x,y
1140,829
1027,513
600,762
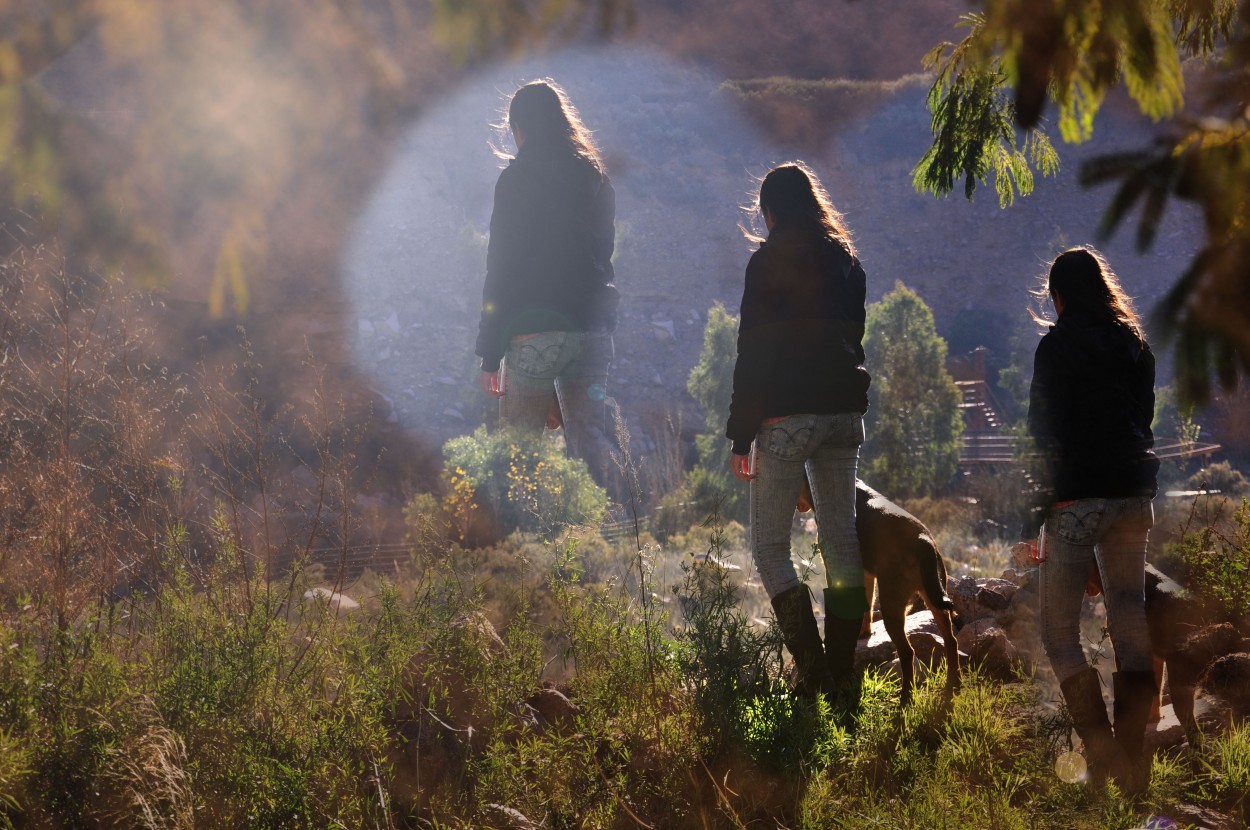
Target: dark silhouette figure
x,y
1090,409
800,391
548,303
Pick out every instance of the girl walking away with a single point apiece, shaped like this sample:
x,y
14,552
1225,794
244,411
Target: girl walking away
x,y
800,391
1090,409
548,305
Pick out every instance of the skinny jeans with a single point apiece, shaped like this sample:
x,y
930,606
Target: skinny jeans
x,y
1111,533
572,365
825,449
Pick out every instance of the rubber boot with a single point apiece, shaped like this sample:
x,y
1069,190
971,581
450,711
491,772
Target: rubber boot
x,y
1082,693
793,609
844,615
1134,693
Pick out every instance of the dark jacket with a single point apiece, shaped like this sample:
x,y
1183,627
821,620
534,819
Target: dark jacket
x,y
1090,408
800,337
549,261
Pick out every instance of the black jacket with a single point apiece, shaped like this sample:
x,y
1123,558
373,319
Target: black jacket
x,y
549,260
800,337
1090,408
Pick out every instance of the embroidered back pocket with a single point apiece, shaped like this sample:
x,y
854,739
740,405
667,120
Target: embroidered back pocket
x,y
1079,522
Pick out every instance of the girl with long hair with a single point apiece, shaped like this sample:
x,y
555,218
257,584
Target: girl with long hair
x,y
548,303
1090,408
800,391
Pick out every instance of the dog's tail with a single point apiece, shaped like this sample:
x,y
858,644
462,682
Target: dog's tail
x,y
933,573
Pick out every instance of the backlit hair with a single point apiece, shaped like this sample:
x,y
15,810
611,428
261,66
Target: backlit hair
x,y
794,197
1085,282
541,110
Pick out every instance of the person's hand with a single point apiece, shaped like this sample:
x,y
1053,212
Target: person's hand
x,y
1093,584
489,381
805,504
741,466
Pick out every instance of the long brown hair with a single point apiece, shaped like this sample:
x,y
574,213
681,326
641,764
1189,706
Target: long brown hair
x,y
541,110
794,197
1085,282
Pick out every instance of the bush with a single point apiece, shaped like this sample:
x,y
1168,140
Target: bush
x,y
1220,477
1217,564
525,481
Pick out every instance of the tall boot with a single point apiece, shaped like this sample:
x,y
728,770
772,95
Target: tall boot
x,y
1082,692
1134,692
844,615
793,609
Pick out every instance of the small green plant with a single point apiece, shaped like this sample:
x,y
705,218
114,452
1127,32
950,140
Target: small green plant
x,y
782,732
726,658
526,481
1225,779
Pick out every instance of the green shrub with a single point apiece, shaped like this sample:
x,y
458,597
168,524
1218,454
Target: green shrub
x,y
526,481
1220,477
1217,564
734,666
728,661
782,732
1225,779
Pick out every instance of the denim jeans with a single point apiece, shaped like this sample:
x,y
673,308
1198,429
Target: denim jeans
x,y
1113,534
574,366
825,448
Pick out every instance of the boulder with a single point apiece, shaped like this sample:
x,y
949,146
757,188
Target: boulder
x,y
963,592
1022,556
977,599
552,709
988,646
1204,818
996,594
338,602
922,633
928,645
508,818
1228,680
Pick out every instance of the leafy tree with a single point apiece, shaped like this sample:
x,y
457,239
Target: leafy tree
x,y
711,385
1018,54
914,423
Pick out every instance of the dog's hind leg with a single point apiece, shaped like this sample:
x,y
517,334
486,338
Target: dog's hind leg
x,y
894,615
950,646
870,586
1158,698
1182,683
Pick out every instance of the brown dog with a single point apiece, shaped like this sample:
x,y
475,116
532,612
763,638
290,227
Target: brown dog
x,y
901,558
1181,639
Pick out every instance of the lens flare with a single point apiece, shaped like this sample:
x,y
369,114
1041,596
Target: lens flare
x,y
1071,767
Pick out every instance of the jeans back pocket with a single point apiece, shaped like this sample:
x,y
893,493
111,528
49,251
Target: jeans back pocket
x,y
1078,523
789,439
541,356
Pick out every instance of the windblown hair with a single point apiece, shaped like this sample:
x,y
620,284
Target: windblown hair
x,y
794,197
1086,283
541,110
